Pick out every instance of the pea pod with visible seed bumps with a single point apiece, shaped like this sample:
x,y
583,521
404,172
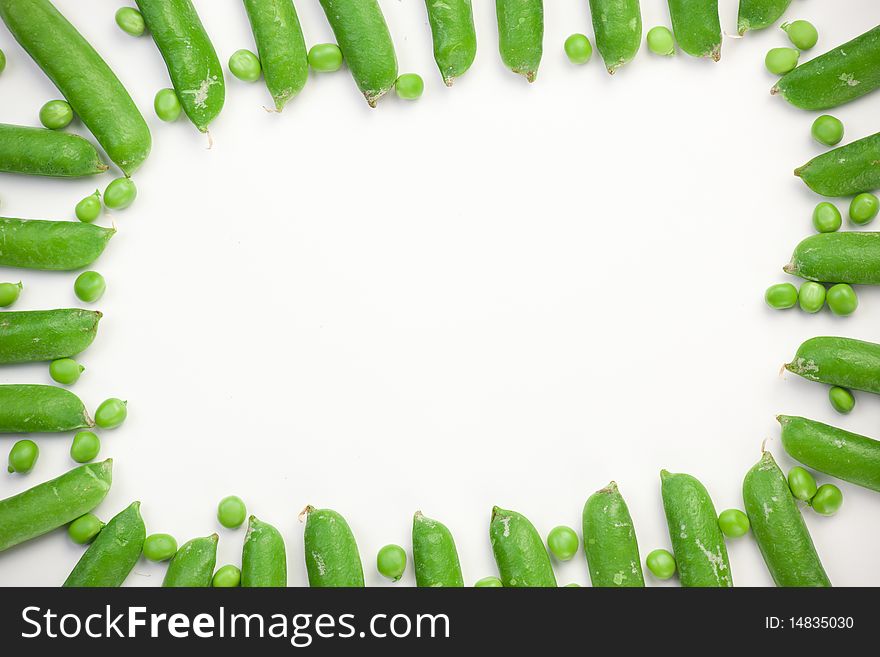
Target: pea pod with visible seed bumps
x,y
435,558
758,14
113,554
846,170
51,245
843,362
263,558
697,27
192,566
779,528
39,335
842,257
53,503
519,551
42,152
332,557
28,408
610,543
454,36
521,35
618,28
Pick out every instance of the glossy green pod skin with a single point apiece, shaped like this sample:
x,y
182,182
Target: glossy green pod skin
x,y
193,564
610,543
697,541
843,362
42,152
53,503
521,35
758,14
38,335
779,528
697,27
332,557
844,171
834,451
454,36
435,557
51,245
837,77
840,257
617,25
28,408
281,47
264,557
519,551
113,554
195,71
363,37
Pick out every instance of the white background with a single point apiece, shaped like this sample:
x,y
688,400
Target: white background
x,y
501,294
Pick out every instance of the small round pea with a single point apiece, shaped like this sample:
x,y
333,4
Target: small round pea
x,y
801,483
660,41
245,65
231,512
827,130
89,286
578,49
811,296
85,528
563,542
780,61
65,371
801,33
226,577
56,114
827,500
130,21
89,209
391,562
488,583
841,399
781,296
120,193
325,58
111,413
734,523
9,293
842,299
167,105
2,61
661,563
85,447
410,86
23,456
827,218
863,208
160,547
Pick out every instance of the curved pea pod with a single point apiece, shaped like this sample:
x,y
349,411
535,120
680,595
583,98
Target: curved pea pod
x,y
521,35
193,564
83,78
28,408
53,503
281,47
610,542
195,71
843,362
454,36
697,541
834,451
39,335
42,152
113,554
519,551
697,27
758,14
264,557
779,528
332,557
51,245
363,37
844,171
841,257
435,557
837,77
618,28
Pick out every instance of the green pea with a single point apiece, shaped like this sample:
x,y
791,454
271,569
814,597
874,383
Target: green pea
x,y
827,130
111,413
842,299
2,61
89,209
488,583
231,512
801,33
410,86
167,105
827,218
56,114
391,562
85,447
734,523
578,49
65,371
89,286
660,41
325,57
245,65
841,399
23,456
130,21
863,208
827,500
84,529
781,296
780,61
661,563
811,296
563,542
226,577
120,194
9,293
160,547
801,483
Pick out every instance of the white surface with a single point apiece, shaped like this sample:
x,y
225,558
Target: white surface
x,y
502,294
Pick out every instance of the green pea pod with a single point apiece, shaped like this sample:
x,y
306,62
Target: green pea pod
x,y
844,171
192,62
610,542
435,558
837,77
41,152
53,503
39,335
519,551
264,557
83,78
363,37
758,14
193,564
332,557
281,46
834,451
618,28
841,257
843,362
697,541
521,35
51,245
779,528
113,554
454,36
27,408
697,27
